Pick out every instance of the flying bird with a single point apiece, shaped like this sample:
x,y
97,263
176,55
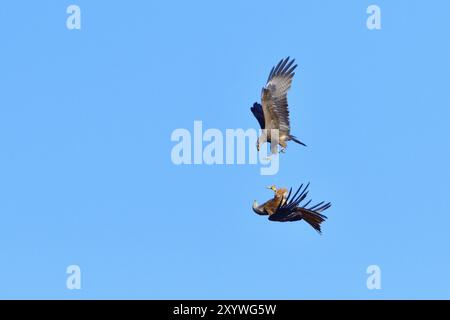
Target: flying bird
x,y
273,112
287,207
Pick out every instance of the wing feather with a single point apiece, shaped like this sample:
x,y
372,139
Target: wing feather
x,y
274,96
258,112
292,210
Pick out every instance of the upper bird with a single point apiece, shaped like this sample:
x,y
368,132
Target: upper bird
x,y
274,113
284,207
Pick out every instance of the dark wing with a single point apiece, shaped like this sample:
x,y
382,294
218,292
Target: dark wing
x,y
274,96
301,212
292,210
257,111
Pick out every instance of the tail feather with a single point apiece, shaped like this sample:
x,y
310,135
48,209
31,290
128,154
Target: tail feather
x,y
314,219
294,138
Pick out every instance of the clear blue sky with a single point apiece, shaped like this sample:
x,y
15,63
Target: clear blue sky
x,y
86,176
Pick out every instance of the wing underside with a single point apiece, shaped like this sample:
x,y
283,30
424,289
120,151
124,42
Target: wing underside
x,y
274,96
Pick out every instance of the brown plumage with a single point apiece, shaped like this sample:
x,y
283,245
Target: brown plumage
x,y
286,208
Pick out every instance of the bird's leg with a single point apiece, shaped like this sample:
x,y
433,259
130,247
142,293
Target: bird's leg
x,y
283,145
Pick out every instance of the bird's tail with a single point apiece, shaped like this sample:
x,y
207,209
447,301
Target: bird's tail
x,y
314,219
294,138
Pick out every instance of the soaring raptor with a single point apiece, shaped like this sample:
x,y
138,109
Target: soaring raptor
x,y
274,113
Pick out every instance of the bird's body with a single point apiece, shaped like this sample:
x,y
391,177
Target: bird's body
x,y
273,113
284,208
271,205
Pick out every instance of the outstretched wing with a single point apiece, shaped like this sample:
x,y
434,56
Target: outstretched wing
x,y
257,111
292,210
274,96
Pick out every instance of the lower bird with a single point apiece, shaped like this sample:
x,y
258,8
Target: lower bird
x,y
286,207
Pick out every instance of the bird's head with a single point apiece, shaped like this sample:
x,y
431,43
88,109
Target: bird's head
x,y
273,188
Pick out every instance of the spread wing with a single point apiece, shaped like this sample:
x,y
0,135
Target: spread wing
x,y
274,96
257,111
292,210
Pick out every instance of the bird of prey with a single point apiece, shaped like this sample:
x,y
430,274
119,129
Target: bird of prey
x,y
287,207
274,112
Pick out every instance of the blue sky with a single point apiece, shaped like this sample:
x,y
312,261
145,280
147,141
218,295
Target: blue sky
x,y
86,176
